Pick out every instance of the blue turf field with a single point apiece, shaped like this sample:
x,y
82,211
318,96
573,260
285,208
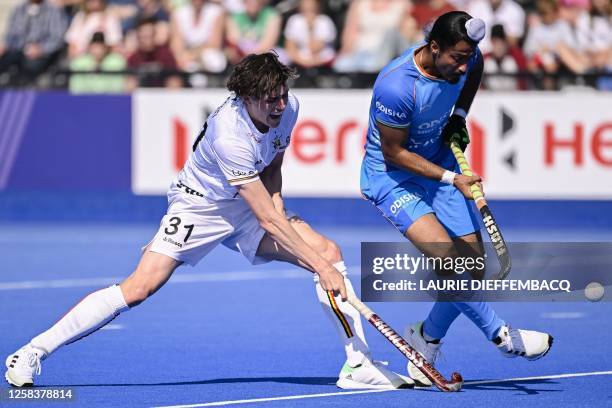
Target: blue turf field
x,y
224,331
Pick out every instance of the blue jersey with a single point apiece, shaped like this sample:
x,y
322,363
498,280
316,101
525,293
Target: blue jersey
x,y
405,97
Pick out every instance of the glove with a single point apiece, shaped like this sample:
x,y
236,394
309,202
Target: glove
x,y
456,130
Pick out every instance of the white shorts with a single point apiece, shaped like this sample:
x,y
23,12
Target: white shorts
x,y
192,227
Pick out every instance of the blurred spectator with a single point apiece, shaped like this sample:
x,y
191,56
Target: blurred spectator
x,y
409,34
93,18
232,6
197,36
592,32
124,10
98,58
600,22
550,46
255,30
416,19
150,9
369,32
504,12
504,58
147,10
426,11
33,39
310,35
150,60
460,4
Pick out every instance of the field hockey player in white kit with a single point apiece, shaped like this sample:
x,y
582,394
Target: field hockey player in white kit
x,y
229,193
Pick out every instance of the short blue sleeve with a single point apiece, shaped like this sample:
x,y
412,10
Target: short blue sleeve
x,y
393,102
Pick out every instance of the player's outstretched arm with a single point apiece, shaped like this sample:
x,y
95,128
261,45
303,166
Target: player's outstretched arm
x,y
260,202
392,141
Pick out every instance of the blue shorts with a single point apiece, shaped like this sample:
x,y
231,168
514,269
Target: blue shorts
x,y
403,198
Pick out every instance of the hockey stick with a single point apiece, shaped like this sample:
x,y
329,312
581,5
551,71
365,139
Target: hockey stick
x,y
503,255
427,369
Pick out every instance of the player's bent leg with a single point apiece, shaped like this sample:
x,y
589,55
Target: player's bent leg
x,y
511,342
152,272
90,314
479,312
360,371
430,237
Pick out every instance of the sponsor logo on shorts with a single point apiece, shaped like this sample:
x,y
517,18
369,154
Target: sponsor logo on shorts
x,y
389,111
173,242
402,201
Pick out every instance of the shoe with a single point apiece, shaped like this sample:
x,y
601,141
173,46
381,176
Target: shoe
x,y
430,351
371,375
525,343
22,365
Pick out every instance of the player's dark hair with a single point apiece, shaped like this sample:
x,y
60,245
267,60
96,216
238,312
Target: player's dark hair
x,y
449,29
258,75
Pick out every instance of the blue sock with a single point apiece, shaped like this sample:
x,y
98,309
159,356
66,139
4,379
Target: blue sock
x,y
440,318
483,316
443,314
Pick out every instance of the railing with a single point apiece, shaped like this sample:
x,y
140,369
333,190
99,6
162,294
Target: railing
x,y
309,78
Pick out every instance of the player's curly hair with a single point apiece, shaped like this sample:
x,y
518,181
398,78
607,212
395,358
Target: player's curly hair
x,y
258,75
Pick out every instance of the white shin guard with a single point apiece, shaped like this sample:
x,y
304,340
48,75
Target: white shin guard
x,y
346,319
90,314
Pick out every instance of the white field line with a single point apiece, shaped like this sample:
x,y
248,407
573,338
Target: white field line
x,y
563,315
229,276
340,393
289,397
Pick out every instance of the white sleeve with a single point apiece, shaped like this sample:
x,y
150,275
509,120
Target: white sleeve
x,y
74,29
112,30
475,9
236,160
292,28
326,29
566,36
516,21
601,34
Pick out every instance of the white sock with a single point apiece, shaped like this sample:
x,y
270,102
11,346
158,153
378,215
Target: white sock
x,y
347,323
91,313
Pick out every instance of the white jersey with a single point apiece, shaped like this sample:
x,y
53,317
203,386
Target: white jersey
x,y
231,151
